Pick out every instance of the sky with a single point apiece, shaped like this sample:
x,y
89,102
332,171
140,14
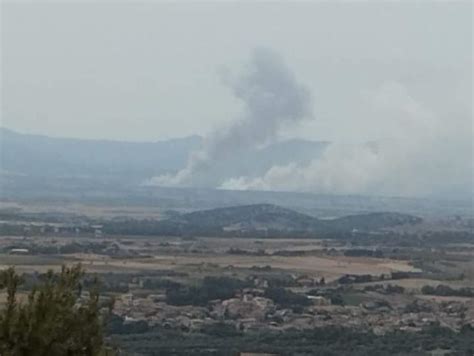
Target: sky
x,y
156,70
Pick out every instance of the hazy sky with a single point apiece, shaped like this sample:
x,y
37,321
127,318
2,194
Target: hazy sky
x,y
154,70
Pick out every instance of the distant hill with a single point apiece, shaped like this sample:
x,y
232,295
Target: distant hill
x,y
39,156
258,220
275,218
42,156
34,167
249,217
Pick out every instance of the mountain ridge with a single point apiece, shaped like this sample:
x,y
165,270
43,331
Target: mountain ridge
x,y
44,156
258,220
271,216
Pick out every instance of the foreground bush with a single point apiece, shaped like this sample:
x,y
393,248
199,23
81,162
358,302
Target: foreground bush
x,y
54,320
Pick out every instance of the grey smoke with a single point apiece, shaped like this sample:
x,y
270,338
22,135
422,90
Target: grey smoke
x,y
272,98
428,151
428,155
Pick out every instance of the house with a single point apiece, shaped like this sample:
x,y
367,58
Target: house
x,y
319,300
19,251
97,230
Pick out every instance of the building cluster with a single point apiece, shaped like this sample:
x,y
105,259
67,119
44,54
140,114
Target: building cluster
x,y
250,311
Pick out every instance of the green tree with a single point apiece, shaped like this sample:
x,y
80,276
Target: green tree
x,y
54,320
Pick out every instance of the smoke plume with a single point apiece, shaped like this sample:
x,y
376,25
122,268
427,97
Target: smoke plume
x,y
427,155
428,152
272,98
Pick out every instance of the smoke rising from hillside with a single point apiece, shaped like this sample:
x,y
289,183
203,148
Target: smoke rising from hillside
x,y
427,155
272,98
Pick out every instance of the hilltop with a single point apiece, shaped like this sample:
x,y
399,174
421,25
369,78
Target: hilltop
x,y
258,220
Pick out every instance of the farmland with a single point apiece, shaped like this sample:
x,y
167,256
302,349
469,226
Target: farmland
x,y
408,278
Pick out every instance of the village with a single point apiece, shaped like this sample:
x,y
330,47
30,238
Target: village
x,y
250,310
